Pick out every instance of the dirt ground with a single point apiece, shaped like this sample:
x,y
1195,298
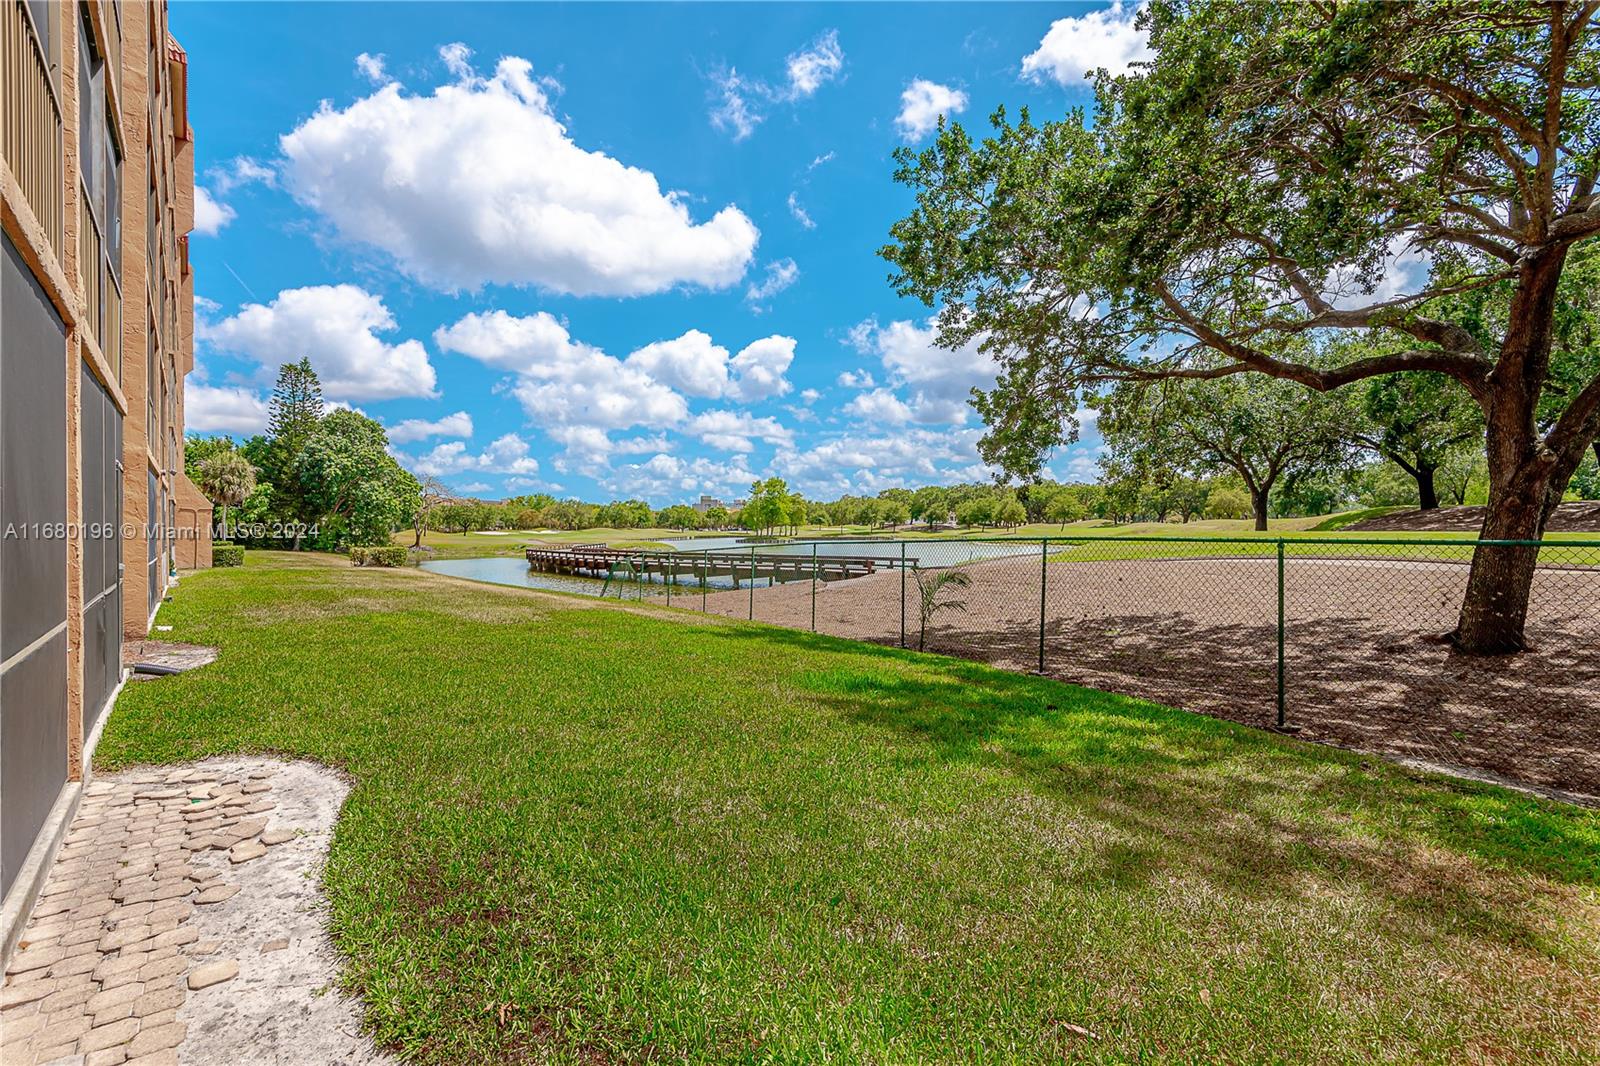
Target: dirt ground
x,y
1580,517
1365,666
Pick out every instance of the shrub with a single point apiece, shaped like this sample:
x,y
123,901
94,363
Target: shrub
x,y
390,555
227,554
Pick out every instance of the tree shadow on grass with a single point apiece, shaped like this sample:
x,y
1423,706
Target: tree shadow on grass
x,y
1260,816
1367,668
1350,681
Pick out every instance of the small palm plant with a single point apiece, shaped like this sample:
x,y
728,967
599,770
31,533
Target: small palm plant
x,y
932,589
227,478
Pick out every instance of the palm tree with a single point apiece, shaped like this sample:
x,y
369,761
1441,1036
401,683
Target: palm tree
x,y
931,584
227,478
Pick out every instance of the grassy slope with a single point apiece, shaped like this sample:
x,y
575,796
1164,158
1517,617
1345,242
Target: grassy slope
x,y
1345,519
581,833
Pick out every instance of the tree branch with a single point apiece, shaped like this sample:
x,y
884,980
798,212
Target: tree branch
x,y
1576,225
1579,424
1470,370
1525,130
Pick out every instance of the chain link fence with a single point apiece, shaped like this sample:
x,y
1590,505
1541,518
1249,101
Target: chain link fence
x,y
1340,639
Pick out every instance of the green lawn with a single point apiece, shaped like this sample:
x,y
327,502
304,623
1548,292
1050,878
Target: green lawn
x,y
584,833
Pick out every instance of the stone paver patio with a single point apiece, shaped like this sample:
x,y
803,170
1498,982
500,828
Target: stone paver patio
x,y
168,887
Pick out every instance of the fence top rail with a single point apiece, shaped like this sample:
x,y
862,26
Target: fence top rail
x,y
1145,538
742,555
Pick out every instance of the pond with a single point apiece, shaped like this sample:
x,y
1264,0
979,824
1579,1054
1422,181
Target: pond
x,y
503,570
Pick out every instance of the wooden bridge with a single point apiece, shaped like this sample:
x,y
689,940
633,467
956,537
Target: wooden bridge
x,y
599,561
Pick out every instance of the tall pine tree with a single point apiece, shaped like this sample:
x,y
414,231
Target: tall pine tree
x,y
295,414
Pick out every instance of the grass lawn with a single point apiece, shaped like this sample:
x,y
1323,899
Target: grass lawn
x,y
583,832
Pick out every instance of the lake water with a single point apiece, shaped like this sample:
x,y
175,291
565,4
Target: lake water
x,y
504,570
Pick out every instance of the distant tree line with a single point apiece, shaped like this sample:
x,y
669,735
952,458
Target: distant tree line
x,y
1242,447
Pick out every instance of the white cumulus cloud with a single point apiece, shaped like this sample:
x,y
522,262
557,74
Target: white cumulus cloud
x,y
936,382
1074,47
869,462
697,365
223,409
757,371
663,478
413,429
210,215
506,455
922,103
579,395
337,327
737,431
479,183
879,406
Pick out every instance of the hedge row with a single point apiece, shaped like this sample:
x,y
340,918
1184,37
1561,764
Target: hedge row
x,y
227,555
394,555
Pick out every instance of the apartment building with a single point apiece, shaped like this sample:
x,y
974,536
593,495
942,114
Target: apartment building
x,y
96,317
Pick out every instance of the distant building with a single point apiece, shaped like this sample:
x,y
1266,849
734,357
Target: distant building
x,y
97,184
707,503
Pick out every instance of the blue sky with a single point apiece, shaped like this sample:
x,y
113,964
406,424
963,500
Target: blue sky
x,y
602,250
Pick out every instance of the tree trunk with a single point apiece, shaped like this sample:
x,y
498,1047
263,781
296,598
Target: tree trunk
x,y
1425,488
1522,470
1494,612
1258,503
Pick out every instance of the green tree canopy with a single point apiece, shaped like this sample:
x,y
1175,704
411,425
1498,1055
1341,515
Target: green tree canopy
x,y
359,493
1263,429
1416,421
1252,186
197,449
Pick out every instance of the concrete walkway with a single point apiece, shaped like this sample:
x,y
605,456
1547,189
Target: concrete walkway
x,y
182,923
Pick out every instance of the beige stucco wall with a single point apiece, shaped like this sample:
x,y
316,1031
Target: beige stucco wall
x,y
62,277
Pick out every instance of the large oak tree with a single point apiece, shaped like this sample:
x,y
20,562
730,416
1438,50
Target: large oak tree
x,y
1246,194
1264,430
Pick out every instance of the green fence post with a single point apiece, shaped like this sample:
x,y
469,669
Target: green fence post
x,y
902,594
1282,702
752,582
673,572
705,566
1044,569
813,586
